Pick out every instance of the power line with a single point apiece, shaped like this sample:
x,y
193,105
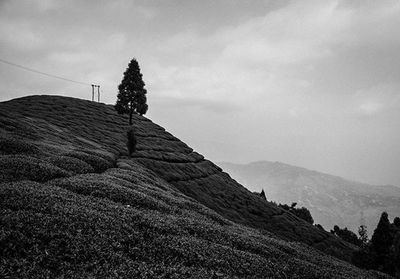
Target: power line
x,y
42,73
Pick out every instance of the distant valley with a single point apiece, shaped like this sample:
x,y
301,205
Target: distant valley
x,y
331,199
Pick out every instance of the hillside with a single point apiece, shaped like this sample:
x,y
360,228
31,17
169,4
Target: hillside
x,y
72,204
331,199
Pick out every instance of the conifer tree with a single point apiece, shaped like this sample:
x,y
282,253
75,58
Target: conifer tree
x,y
132,94
381,240
397,254
262,194
363,235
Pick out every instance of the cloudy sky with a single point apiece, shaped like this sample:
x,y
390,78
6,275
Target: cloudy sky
x,y
310,83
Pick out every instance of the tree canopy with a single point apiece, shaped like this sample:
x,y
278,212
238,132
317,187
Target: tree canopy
x,y
132,94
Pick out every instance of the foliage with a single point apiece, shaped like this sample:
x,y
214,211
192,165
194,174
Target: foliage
x,y
132,94
131,142
138,229
346,235
262,194
98,164
382,239
382,252
10,145
319,226
302,212
128,221
21,167
364,258
96,129
396,222
396,252
363,235
71,164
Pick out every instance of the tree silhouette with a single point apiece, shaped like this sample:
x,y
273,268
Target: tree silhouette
x,y
302,213
381,240
346,235
363,235
262,194
397,254
396,222
132,95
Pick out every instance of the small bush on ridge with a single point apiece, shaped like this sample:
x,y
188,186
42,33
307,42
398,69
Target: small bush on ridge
x,y
131,142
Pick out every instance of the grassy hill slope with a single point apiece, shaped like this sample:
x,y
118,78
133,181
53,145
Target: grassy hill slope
x,y
73,205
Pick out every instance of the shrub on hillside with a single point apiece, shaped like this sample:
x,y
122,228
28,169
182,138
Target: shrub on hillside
x,y
15,146
319,226
302,212
363,235
18,127
74,165
262,194
49,232
346,235
364,258
99,164
131,142
108,156
21,167
107,187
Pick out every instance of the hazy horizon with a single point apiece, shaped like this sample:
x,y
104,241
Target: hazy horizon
x,y
313,84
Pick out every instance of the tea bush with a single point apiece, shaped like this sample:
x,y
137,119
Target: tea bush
x,y
21,167
99,164
10,145
74,165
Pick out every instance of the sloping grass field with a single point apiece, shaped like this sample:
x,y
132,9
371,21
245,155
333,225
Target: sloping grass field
x,y
72,205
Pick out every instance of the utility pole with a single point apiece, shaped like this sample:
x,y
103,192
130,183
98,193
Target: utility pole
x,y
98,93
92,92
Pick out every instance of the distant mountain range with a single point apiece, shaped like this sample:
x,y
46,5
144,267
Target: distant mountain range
x,y
332,200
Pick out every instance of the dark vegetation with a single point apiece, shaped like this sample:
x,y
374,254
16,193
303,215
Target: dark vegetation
x,y
132,94
382,252
10,146
98,163
71,164
262,194
79,208
131,142
346,235
302,212
21,167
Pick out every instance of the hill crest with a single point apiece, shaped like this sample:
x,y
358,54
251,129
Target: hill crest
x,y
80,146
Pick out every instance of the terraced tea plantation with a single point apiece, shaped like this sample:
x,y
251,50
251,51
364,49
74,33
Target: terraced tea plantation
x,y
73,205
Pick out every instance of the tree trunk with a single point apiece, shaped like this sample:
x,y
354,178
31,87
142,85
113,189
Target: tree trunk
x,y
130,114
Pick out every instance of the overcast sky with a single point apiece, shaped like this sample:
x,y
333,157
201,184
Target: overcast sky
x,y
310,83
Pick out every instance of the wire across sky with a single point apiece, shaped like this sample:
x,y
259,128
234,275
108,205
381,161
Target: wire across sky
x,y
42,73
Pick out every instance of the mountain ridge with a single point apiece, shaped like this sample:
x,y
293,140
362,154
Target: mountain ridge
x,y
277,178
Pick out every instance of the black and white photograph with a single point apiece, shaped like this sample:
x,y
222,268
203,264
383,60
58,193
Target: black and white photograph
x,y
200,139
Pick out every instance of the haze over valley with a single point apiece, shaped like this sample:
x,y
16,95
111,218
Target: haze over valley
x,y
331,200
